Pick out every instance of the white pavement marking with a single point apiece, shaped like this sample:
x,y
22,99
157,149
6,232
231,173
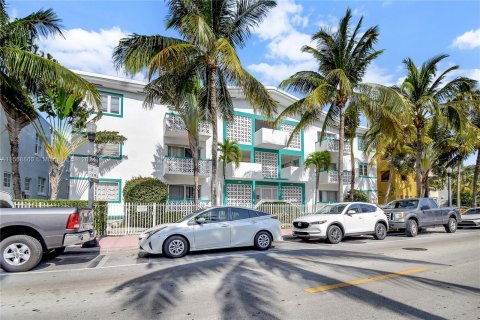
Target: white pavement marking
x,y
102,262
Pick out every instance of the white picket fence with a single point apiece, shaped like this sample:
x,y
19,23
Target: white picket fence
x,y
134,218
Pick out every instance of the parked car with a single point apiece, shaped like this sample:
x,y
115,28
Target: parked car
x,y
27,235
335,221
214,228
415,213
471,218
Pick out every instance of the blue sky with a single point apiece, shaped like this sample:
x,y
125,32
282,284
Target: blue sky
x,y
416,29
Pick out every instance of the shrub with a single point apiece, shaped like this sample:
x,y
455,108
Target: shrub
x,y
145,190
358,195
100,210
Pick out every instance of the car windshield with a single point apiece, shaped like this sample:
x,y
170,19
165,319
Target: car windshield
x,y
472,211
332,209
189,216
402,204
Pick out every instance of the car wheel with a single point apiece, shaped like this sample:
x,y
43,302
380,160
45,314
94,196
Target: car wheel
x,y
263,240
175,247
380,231
53,253
20,253
334,234
451,226
412,228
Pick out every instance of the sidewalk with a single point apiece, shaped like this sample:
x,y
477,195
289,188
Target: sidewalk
x,y
114,243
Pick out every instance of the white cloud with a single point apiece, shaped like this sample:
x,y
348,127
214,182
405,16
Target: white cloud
x,y
375,74
289,46
85,50
386,3
329,22
273,74
468,40
281,20
360,11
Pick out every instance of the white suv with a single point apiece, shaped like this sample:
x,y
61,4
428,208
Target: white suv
x,y
334,221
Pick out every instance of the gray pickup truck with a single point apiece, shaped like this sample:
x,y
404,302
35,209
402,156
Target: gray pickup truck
x,y
412,214
27,235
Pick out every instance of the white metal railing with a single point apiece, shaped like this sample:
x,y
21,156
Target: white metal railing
x,y
181,165
333,145
333,176
174,123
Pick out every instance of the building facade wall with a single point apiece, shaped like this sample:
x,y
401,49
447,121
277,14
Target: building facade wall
x,y
402,186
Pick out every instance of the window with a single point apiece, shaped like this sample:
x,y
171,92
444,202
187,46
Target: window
x,y
363,169
182,192
111,103
361,143
28,181
333,166
107,191
7,179
239,214
326,136
327,196
38,145
384,176
189,192
432,204
355,207
41,185
179,151
368,208
108,149
215,215
424,205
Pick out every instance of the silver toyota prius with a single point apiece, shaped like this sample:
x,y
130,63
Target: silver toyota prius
x,y
213,228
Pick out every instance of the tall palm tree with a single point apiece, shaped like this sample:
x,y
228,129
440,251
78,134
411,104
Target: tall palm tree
x,y
343,57
427,97
352,122
229,152
210,31
320,160
24,73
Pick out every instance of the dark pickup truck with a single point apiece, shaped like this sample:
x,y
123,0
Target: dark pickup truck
x,y
412,214
28,234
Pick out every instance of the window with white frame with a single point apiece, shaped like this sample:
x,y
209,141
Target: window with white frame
x,y
108,149
27,184
363,169
111,103
107,191
361,143
7,179
182,192
41,187
38,145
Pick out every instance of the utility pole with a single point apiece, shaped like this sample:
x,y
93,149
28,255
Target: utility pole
x,y
93,163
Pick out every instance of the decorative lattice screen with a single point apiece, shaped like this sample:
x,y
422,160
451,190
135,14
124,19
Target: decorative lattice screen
x,y
269,163
240,129
239,195
296,141
292,193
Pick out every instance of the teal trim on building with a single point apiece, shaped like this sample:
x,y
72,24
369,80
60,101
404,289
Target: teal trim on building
x,y
188,200
120,156
120,115
180,157
119,181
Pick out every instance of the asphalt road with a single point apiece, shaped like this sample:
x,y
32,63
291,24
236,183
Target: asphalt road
x,y
433,276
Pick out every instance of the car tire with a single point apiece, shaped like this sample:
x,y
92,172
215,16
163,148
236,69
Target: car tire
x,y
334,234
380,231
263,240
412,228
175,247
451,226
20,253
53,253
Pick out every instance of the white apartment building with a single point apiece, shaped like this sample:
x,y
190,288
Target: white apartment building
x,y
157,146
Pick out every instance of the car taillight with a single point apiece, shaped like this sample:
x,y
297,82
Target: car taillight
x,y
73,221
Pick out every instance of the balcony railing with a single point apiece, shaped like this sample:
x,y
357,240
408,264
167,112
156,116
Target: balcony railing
x,y
271,138
332,176
294,174
184,166
174,124
331,145
246,170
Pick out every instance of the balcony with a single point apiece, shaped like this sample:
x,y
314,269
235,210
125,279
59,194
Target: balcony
x,y
294,174
174,127
246,170
271,139
184,166
331,145
332,176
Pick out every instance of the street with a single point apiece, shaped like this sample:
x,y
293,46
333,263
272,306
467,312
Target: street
x,y
433,276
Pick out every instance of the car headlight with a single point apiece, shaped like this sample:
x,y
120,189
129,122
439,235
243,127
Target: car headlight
x,y
152,232
318,222
399,217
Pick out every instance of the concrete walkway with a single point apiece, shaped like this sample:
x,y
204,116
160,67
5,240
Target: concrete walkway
x,y
131,241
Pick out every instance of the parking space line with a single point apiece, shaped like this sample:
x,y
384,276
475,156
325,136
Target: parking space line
x,y
102,262
365,280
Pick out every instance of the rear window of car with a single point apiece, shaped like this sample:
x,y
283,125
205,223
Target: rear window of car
x,y
432,203
368,208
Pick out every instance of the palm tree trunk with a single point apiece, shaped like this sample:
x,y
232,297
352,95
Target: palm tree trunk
x,y
418,160
352,163
213,111
459,200
193,142
341,144
13,128
55,174
476,172
389,185
426,188
317,189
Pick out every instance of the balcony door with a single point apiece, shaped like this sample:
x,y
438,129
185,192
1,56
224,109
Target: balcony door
x,y
267,193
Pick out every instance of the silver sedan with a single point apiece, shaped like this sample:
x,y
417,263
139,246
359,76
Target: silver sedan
x,y
214,228
470,218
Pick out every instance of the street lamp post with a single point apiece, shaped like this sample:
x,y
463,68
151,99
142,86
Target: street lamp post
x,y
449,175
92,159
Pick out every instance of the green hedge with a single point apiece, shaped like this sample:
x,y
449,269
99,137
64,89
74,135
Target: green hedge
x,y
358,196
100,210
145,190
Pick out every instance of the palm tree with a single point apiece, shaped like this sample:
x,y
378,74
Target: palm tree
x,y
24,73
210,31
320,160
229,152
352,122
427,98
343,57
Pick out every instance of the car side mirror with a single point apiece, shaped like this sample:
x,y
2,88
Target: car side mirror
x,y
350,212
200,220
